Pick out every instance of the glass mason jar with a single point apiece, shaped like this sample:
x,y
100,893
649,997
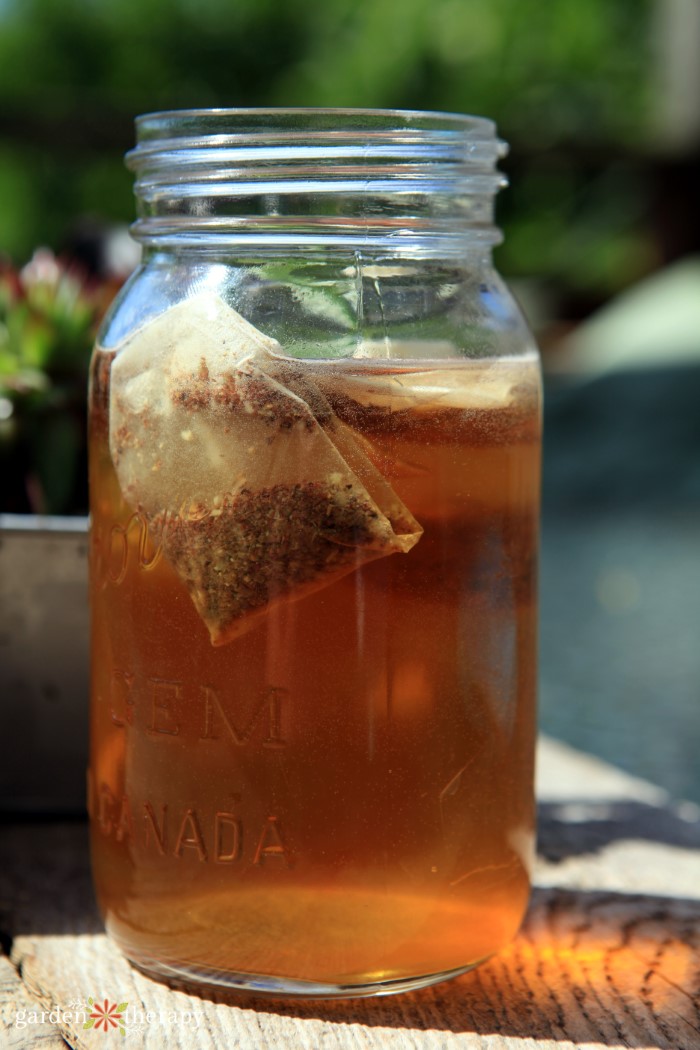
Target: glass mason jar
x,y
315,428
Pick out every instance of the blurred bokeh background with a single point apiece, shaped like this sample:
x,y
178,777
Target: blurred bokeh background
x,y
600,102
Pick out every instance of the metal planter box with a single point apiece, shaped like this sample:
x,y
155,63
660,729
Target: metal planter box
x,y
44,663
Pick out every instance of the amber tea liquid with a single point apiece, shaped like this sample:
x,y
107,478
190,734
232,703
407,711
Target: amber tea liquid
x,y
342,797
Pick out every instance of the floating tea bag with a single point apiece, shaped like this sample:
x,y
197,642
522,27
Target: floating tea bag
x,y
256,491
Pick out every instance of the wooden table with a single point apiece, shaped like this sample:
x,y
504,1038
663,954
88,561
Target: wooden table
x,y
609,955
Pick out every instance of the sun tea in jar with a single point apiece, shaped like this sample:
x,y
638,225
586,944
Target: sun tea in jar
x,y
315,444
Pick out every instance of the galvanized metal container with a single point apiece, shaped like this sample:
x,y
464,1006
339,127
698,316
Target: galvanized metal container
x,y
44,663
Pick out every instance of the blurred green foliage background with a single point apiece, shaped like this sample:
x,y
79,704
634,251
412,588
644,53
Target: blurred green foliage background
x,y
573,86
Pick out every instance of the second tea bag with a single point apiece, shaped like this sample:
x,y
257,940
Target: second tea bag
x,y
256,491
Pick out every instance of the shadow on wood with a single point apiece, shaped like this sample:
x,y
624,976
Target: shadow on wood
x,y
577,827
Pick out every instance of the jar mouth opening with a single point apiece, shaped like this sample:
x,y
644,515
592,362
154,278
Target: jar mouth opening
x,y
330,133
305,116
329,173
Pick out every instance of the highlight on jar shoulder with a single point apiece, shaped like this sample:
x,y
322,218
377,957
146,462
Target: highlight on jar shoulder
x,y
314,488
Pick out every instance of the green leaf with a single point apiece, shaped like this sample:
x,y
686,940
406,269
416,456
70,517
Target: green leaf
x,y
121,1008
90,1022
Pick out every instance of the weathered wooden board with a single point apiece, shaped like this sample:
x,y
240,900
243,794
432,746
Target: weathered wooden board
x,y
609,955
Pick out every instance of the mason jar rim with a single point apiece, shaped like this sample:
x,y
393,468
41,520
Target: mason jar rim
x,y
164,132
460,120
335,175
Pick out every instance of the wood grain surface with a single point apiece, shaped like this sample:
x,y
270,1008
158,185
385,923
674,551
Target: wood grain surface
x,y
609,954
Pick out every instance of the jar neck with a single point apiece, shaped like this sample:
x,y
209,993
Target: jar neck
x,y
393,183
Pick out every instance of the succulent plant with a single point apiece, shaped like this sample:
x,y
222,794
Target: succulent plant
x,y
48,316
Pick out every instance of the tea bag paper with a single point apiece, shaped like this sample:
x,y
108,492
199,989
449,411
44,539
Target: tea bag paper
x,y
256,491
